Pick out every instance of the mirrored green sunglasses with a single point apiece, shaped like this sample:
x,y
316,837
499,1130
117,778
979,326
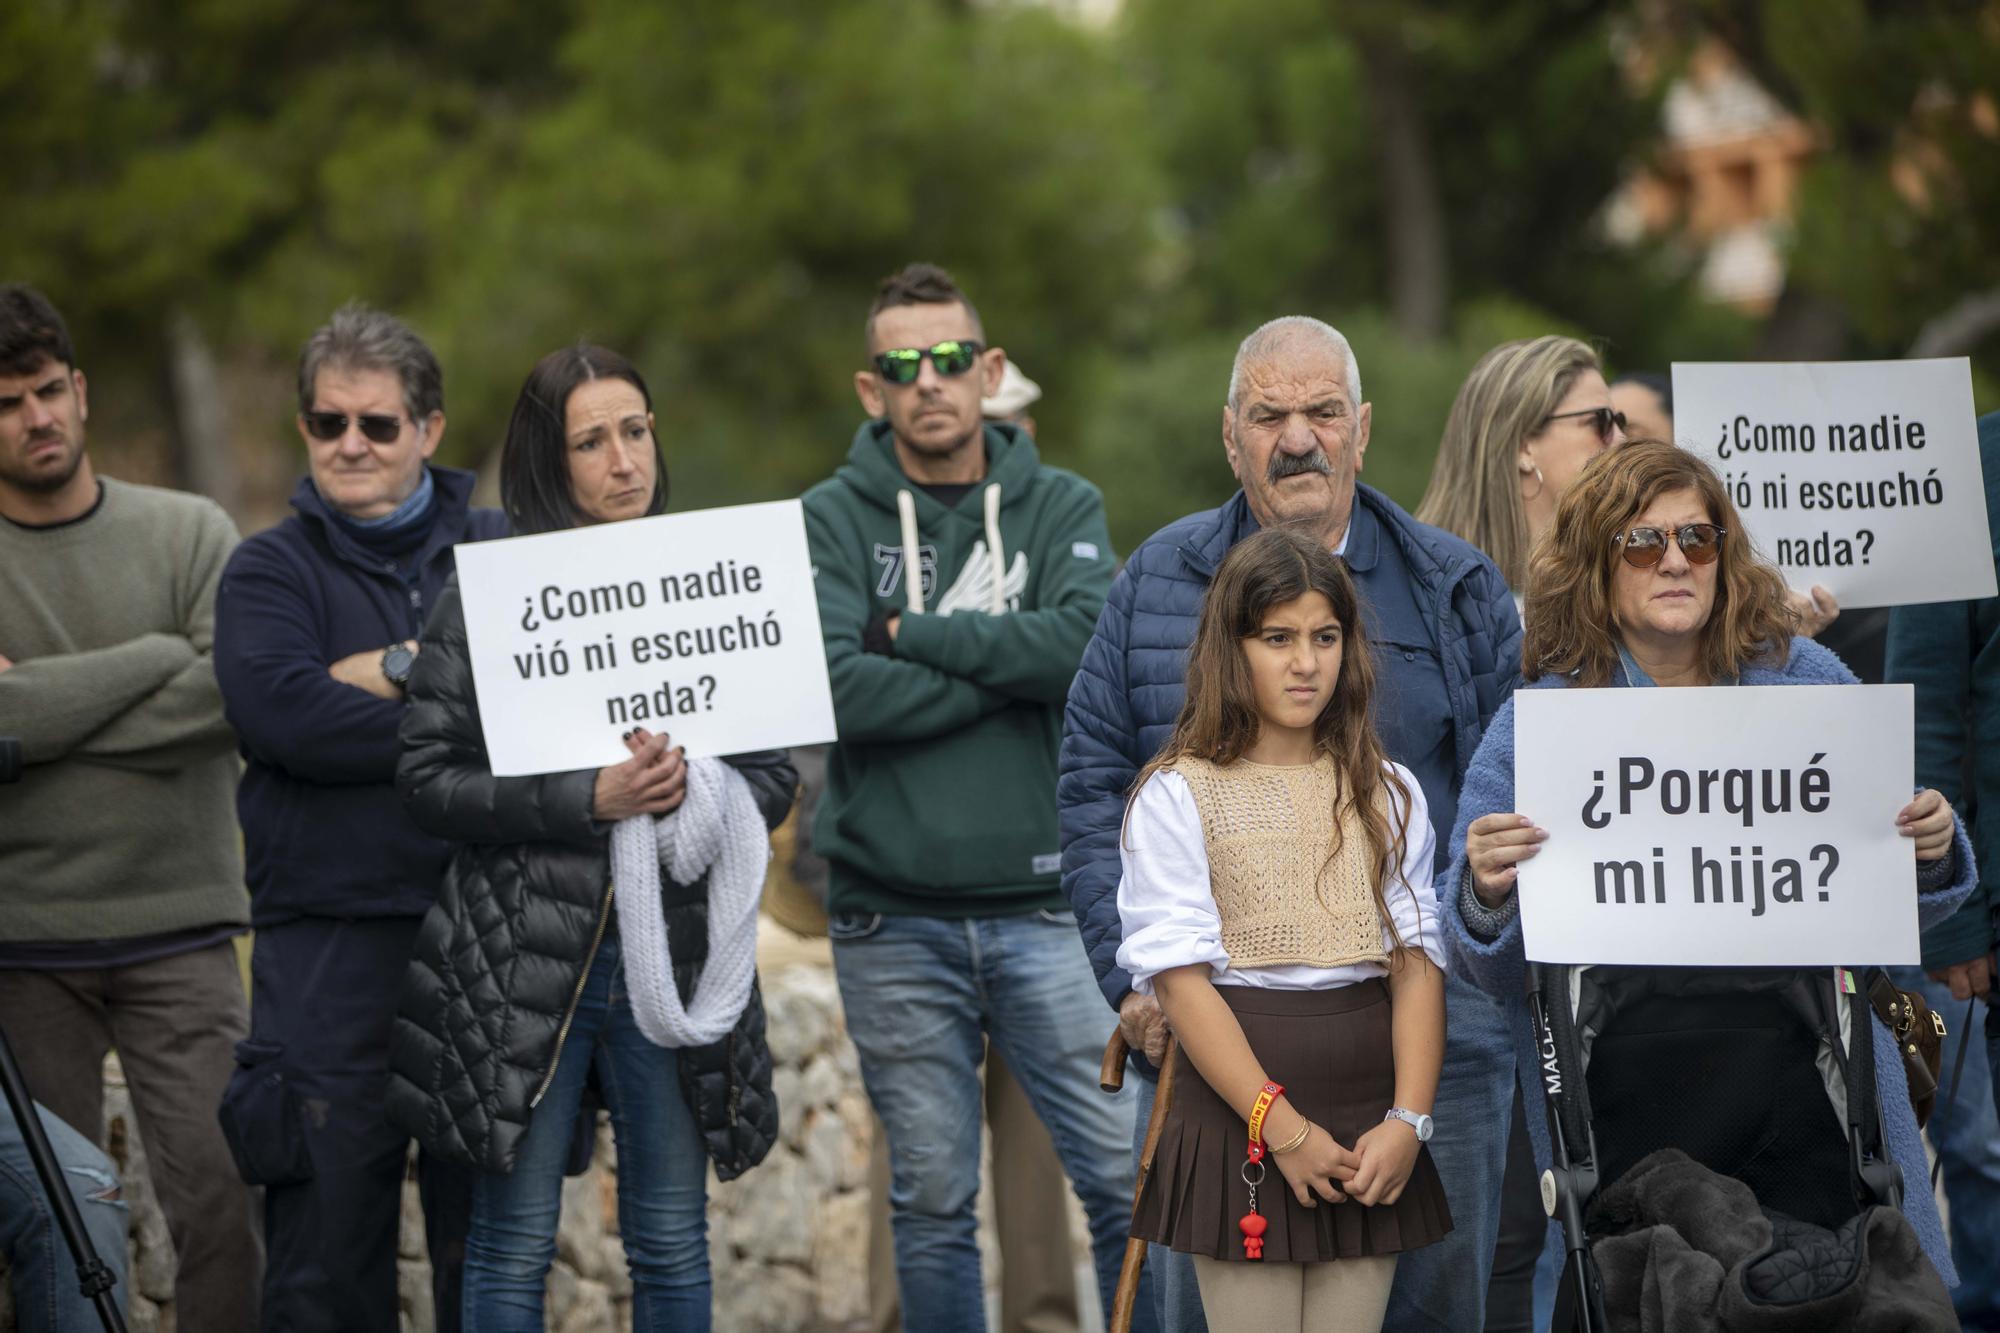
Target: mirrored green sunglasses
x,y
902,365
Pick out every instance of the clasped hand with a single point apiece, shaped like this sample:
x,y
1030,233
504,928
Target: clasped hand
x,y
652,782
1373,1172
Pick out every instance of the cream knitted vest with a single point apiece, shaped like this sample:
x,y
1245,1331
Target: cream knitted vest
x,y
1280,900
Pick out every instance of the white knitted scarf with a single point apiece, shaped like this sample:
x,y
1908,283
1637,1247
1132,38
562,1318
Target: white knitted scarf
x,y
717,829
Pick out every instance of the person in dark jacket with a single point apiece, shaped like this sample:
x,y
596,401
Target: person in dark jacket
x,y
316,622
518,992
1295,428
1951,652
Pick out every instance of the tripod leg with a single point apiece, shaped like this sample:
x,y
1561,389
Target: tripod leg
x,y
94,1277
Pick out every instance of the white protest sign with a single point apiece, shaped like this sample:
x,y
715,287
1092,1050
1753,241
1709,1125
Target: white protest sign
x,y
701,625
1718,827
1861,475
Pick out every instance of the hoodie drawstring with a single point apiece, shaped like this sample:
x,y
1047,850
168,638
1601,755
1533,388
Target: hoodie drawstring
x,y
998,603
913,571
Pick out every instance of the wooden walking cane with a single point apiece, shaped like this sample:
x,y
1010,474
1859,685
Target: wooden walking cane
x,y
1111,1077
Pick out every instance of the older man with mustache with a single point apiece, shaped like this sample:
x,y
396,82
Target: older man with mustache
x,y
1295,431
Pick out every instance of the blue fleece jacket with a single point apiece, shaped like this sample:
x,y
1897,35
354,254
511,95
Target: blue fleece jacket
x,y
1498,967
324,833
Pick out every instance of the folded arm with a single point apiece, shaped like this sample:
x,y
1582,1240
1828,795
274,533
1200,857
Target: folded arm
x,y
55,704
182,721
272,663
877,698
1028,654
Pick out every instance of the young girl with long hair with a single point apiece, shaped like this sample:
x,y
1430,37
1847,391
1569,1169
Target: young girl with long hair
x,y
1277,898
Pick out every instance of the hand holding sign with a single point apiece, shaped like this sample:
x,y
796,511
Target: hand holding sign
x,y
1495,846
1928,819
1676,839
652,782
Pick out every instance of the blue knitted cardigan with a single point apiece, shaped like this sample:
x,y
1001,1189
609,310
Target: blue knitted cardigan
x,y
1498,967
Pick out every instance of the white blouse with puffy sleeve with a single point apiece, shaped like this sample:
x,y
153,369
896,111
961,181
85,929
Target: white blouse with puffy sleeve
x,y
1169,914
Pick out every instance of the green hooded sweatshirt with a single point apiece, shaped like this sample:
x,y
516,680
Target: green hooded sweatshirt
x,y
940,796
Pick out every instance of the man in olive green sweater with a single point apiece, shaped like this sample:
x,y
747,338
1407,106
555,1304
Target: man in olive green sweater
x,y
958,580
118,851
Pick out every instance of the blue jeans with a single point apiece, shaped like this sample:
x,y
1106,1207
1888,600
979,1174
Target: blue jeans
x,y
662,1178
923,995
1442,1288
1967,1140
46,1298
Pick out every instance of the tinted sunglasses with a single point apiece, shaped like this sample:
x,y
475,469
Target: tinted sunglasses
x,y
1604,420
902,365
1643,548
330,426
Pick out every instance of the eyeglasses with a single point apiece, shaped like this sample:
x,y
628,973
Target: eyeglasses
x,y
1643,548
1605,419
330,426
902,365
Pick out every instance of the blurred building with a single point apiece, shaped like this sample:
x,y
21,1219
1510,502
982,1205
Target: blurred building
x,y
1723,179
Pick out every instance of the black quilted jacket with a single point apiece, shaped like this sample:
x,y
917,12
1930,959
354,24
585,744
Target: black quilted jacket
x,y
500,955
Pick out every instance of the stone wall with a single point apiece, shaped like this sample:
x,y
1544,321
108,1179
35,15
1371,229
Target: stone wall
x,y
787,1242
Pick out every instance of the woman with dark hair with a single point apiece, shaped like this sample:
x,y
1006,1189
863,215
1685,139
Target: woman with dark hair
x,y
526,984
1645,580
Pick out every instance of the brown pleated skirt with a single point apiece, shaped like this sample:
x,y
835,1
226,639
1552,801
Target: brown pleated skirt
x,y
1331,1051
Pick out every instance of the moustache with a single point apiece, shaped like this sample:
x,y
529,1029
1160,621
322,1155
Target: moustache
x,y
1292,465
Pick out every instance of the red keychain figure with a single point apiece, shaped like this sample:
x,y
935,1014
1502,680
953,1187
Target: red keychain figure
x,y
1252,1225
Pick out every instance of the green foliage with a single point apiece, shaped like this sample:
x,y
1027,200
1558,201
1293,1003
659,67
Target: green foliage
x,y
715,191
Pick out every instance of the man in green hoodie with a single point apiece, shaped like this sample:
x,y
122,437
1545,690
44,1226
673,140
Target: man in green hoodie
x,y
958,581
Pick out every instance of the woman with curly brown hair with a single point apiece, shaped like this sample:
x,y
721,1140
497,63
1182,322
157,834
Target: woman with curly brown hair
x,y
1646,580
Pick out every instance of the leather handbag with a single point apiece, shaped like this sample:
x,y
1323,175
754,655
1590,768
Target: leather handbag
x,y
1919,1032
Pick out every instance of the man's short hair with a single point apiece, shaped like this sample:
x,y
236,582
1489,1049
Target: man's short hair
x,y
359,338
1276,337
918,284
31,331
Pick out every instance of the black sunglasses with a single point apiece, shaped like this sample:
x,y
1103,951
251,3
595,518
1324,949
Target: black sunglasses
x,y
902,365
1643,548
1605,420
330,426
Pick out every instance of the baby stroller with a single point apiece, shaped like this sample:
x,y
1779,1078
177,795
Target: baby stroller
x,y
1762,1075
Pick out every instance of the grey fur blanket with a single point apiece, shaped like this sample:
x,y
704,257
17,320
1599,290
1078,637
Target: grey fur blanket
x,y
1684,1250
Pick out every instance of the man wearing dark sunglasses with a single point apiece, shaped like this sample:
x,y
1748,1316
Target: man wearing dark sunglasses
x,y
121,886
957,580
316,632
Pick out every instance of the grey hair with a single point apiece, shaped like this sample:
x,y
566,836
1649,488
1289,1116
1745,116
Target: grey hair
x,y
359,338
1282,335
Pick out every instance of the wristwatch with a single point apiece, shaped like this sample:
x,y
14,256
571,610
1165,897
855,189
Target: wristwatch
x,y
397,662
1421,1123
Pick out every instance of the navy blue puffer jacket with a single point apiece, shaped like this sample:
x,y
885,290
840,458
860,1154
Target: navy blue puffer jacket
x,y
1129,689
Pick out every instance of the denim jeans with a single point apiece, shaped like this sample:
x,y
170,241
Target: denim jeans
x,y
1442,1288
923,995
662,1178
1967,1141
46,1298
